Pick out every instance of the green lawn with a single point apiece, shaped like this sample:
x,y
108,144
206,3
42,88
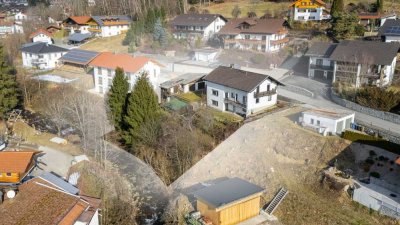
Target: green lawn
x,y
189,97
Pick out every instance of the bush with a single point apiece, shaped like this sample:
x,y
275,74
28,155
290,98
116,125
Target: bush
x,y
371,140
257,59
372,153
378,98
374,174
369,161
359,30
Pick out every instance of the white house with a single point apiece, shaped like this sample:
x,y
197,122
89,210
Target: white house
x,y
239,91
77,24
265,35
106,63
41,55
327,121
107,26
390,31
309,10
197,25
205,54
20,16
41,35
354,62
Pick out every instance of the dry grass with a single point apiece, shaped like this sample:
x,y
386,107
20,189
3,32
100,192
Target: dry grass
x,y
108,44
43,139
260,8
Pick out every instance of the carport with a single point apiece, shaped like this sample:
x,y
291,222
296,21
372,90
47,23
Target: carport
x,y
78,57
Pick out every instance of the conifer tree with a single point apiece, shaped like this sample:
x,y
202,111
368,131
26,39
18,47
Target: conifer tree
x,y
142,109
117,98
9,92
159,33
337,7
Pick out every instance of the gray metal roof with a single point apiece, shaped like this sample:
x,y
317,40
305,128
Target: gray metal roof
x,y
237,79
59,183
195,19
321,49
366,52
41,48
99,19
388,28
227,192
77,37
184,79
78,56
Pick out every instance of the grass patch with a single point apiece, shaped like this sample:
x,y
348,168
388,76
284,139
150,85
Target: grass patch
x,y
189,97
108,44
60,34
224,117
371,140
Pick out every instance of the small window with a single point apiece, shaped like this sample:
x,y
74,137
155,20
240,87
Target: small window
x,y
269,97
244,99
312,121
99,71
246,36
318,122
232,95
8,174
214,92
100,81
257,100
214,103
109,72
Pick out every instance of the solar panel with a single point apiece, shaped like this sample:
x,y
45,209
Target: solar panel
x,y
79,56
393,30
59,182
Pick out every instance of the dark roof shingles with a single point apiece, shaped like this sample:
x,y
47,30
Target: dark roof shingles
x,y
258,26
41,47
195,19
321,49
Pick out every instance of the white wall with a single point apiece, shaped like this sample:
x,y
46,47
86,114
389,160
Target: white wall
x,y
20,16
329,124
213,28
108,31
50,60
392,38
42,38
268,45
317,15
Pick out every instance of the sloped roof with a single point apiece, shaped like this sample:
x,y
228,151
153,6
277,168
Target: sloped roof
x,y
388,27
106,20
81,20
366,16
40,31
256,26
237,79
127,62
195,19
78,37
379,53
16,161
79,56
321,49
227,192
40,48
319,1
184,79
59,182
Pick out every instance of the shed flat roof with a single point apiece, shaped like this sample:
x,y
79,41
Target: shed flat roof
x,y
78,56
329,113
227,192
184,79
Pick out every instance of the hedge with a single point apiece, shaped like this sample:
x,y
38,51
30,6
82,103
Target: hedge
x,y
371,140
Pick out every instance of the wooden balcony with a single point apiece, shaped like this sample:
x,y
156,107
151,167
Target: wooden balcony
x,y
264,93
280,41
234,102
244,41
96,30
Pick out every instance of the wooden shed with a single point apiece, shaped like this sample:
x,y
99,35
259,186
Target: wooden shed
x,y
229,202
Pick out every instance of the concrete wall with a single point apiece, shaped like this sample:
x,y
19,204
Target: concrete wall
x,y
391,117
50,59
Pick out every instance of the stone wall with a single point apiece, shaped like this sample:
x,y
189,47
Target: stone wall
x,y
297,90
391,117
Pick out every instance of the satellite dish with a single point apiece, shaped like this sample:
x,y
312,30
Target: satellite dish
x,y
10,194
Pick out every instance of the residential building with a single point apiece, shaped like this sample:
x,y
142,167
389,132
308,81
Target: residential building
x,y
354,62
77,24
41,55
107,26
327,121
105,64
373,21
20,16
205,54
229,202
16,165
378,195
182,84
239,91
365,62
309,10
39,201
265,35
197,25
6,27
390,31
320,66
78,57
41,35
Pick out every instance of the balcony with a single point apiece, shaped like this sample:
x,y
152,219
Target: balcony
x,y
244,41
264,93
38,61
96,30
280,41
321,67
234,102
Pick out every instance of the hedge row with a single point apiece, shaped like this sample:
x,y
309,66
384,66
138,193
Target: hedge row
x,y
371,140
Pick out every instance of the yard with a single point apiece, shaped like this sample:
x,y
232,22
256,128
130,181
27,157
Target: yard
x,y
108,44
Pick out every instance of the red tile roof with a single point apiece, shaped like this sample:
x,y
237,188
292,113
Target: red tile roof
x,y
16,161
81,20
127,62
366,16
40,31
398,161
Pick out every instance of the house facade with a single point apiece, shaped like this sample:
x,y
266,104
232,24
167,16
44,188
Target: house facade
x,y
240,92
107,26
41,55
197,25
354,62
309,10
265,35
390,31
41,35
77,24
105,64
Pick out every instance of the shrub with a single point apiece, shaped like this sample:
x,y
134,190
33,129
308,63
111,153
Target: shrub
x,y
359,30
371,140
381,158
372,153
257,59
378,98
374,174
369,161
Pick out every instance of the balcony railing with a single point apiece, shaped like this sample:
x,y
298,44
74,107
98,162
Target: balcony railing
x,y
92,29
321,67
246,41
234,102
38,61
264,93
280,41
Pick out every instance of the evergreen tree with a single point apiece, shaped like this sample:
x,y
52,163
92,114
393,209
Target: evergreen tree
x,y
236,11
142,109
344,26
117,98
160,33
9,93
337,7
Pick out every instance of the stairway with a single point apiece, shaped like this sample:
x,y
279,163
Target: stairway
x,y
276,201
